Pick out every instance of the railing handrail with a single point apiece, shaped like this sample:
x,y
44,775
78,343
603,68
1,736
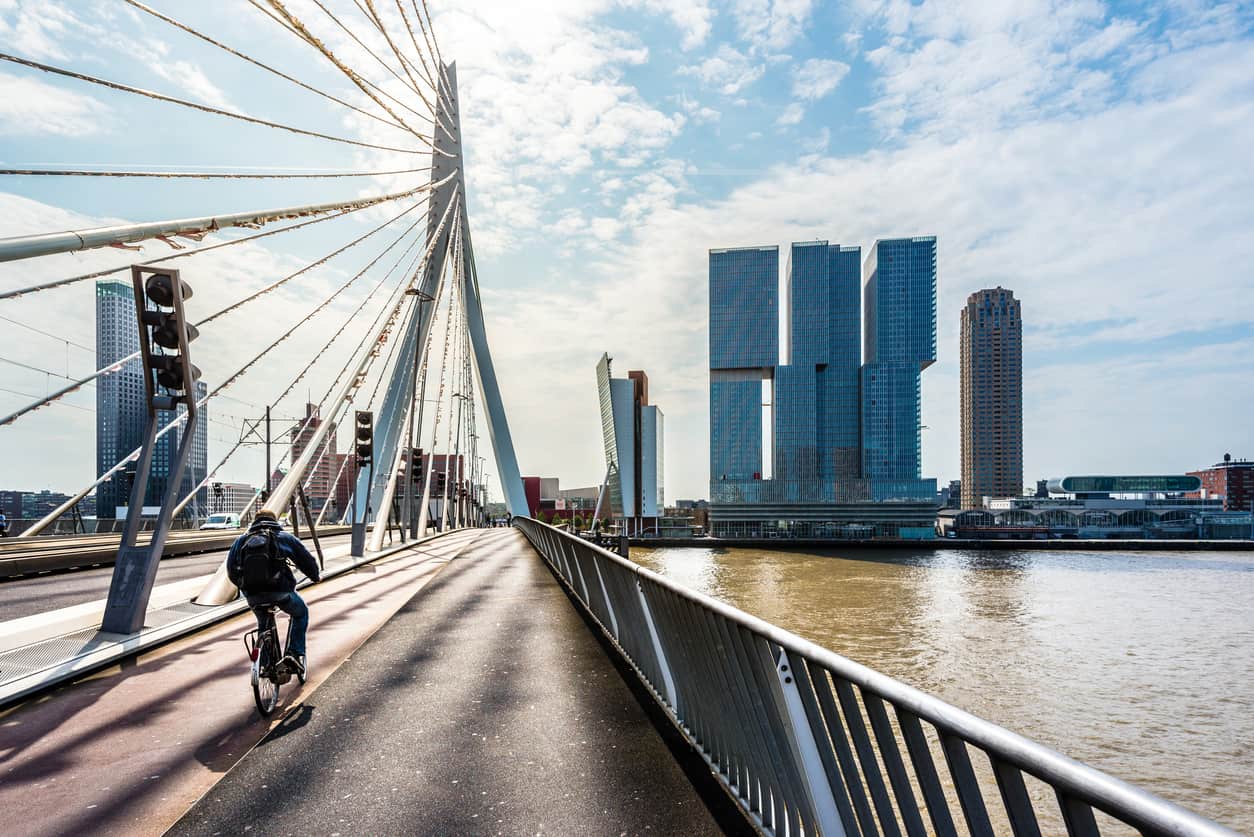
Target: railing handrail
x,y
1113,796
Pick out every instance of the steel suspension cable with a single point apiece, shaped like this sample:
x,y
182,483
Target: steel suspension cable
x,y
370,12
435,45
161,97
59,283
191,31
119,364
20,247
413,39
201,175
278,6
178,419
300,376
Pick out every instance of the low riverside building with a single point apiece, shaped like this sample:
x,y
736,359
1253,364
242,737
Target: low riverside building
x,y
1101,507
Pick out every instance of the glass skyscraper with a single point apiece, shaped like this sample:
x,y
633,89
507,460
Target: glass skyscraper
x,y
744,351
122,414
844,441
899,312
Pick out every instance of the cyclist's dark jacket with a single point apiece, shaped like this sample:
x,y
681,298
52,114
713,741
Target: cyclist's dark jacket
x,y
288,547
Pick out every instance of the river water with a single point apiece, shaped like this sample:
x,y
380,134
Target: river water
x,y
1138,663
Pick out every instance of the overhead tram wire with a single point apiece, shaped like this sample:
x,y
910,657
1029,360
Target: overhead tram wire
x,y
116,366
195,33
278,6
161,97
56,337
203,175
16,248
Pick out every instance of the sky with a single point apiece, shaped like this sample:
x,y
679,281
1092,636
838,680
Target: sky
x,y
1091,156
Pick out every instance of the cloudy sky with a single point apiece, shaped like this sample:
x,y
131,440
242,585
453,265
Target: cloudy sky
x,y
1093,157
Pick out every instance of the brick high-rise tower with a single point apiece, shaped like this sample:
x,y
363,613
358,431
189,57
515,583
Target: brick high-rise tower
x,y
991,356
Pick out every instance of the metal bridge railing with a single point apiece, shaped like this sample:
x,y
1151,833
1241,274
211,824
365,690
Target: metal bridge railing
x,y
809,742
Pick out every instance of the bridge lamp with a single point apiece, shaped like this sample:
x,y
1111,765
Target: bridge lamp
x,y
363,433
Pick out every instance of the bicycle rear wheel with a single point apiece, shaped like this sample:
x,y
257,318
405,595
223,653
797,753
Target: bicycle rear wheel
x,y
266,690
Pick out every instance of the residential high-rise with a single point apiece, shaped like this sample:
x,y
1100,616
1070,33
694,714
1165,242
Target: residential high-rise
x,y
991,374
632,431
122,414
744,351
899,342
320,486
1232,479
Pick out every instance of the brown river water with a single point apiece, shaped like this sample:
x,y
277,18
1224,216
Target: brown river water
x,y
1139,663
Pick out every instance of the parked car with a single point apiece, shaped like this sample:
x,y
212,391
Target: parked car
x,y
221,521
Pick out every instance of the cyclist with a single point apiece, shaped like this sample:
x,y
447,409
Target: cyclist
x,y
258,565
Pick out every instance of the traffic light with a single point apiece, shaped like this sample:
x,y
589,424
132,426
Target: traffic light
x,y
167,335
415,471
363,422
439,482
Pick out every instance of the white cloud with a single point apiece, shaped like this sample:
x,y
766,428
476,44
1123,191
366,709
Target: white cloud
x,y
792,114
728,70
692,17
29,106
189,80
817,77
771,25
34,28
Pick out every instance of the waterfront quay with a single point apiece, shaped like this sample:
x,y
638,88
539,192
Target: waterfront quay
x,y
1086,545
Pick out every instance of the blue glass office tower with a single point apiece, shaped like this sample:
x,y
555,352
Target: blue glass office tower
x,y
122,415
744,350
899,309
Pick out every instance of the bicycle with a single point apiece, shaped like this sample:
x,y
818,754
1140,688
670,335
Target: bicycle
x,y
269,671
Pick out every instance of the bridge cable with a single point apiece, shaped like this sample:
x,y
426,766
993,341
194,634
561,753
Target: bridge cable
x,y
428,76
203,175
119,364
181,417
435,46
161,97
278,6
370,12
288,28
194,32
295,381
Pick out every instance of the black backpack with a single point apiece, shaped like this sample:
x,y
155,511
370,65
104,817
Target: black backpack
x,y
260,567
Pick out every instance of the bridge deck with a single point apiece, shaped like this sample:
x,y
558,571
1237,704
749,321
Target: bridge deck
x,y
485,705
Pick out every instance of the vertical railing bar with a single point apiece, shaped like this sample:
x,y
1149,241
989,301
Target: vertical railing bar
x,y
810,749
866,757
844,755
896,768
764,773
827,754
680,659
965,783
925,772
698,678
605,594
740,751
659,652
1078,816
1014,796
762,667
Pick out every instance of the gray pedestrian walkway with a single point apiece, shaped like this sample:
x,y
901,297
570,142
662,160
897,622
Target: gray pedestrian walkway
x,y
484,706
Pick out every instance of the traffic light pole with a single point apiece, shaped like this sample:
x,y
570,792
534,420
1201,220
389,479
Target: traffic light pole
x,y
135,570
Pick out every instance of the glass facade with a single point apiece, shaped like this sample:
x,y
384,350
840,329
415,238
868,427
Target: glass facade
x,y
744,308
122,414
899,310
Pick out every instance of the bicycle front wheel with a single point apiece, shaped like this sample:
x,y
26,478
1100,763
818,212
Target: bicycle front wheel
x,y
265,690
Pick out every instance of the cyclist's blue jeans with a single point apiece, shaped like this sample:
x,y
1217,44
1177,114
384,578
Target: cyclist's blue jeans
x,y
294,606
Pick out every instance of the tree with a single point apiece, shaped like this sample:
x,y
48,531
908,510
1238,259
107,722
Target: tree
x,y
577,522
540,516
